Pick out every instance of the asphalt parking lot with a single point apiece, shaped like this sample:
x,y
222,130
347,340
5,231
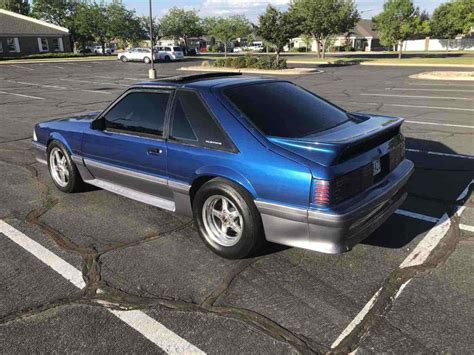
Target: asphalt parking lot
x,y
95,272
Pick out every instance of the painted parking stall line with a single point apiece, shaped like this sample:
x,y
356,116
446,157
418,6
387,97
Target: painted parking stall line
x,y
22,95
460,156
431,90
439,124
466,228
417,257
422,97
443,108
417,216
154,331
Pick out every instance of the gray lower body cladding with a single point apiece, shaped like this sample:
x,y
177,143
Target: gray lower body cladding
x,y
337,232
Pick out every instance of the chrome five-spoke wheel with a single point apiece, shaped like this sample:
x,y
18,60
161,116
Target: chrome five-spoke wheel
x,y
222,220
59,167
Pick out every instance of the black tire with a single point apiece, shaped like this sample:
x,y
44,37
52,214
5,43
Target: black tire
x,y
146,60
167,58
75,182
252,236
123,59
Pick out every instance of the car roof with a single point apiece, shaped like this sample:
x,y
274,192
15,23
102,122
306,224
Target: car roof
x,y
204,81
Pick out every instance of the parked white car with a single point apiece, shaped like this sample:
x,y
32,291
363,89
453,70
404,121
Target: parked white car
x,y
170,53
136,55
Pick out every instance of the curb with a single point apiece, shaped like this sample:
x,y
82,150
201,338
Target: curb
x,y
294,71
429,65
441,76
54,60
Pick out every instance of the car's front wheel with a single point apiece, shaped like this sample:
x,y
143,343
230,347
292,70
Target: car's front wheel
x,y
227,219
147,60
62,169
123,58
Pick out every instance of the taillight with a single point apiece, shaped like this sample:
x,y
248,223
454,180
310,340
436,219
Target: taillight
x,y
322,194
173,53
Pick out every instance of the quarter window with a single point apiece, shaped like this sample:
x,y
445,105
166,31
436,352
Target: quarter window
x,y
192,121
139,112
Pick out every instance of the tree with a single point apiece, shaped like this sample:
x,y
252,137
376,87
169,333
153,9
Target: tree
x,y
277,28
399,21
123,24
307,40
180,23
323,19
227,29
92,22
18,6
452,19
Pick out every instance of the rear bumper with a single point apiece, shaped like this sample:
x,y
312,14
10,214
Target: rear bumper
x,y
340,230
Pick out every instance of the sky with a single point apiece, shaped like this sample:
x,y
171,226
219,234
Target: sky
x,y
252,8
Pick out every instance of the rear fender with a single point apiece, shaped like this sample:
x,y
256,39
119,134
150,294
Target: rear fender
x,y
223,172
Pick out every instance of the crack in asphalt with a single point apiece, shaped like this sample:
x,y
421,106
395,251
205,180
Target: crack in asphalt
x,y
394,282
99,290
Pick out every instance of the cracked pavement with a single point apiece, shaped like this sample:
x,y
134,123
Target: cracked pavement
x,y
286,300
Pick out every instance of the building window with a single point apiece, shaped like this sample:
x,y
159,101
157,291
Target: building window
x,y
13,45
55,46
43,45
1,46
58,45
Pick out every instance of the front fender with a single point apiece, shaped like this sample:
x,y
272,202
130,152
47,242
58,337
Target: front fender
x,y
227,173
56,136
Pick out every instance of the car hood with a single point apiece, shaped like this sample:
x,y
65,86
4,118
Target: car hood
x,y
86,116
330,147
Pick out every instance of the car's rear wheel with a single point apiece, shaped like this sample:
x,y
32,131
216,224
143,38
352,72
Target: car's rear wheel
x,y
227,219
62,169
123,58
167,58
147,60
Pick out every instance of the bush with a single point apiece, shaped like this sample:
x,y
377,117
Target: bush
x,y
229,62
250,61
220,63
46,56
267,62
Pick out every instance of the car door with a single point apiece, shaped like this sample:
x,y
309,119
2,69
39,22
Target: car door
x,y
128,152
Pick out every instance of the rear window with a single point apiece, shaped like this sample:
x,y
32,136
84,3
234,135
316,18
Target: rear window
x,y
282,109
177,49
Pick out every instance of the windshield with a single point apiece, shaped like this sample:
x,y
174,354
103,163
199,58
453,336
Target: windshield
x,y
283,109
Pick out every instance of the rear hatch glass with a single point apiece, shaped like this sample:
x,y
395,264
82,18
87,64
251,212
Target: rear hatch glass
x,y
282,109
177,49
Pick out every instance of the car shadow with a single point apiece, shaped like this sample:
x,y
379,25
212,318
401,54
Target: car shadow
x,y
433,190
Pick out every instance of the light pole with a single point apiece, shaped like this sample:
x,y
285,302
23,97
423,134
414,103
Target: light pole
x,y
152,71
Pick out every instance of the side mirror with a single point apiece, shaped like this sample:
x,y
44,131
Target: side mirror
x,y
98,124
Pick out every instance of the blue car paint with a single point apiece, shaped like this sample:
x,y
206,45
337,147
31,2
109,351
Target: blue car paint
x,y
271,169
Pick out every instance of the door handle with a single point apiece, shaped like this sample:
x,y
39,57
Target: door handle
x,y
154,151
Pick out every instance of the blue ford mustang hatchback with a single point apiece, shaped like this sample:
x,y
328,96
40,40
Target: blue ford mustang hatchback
x,y
250,159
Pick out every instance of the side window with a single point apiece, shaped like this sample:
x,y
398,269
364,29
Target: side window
x,y
139,112
192,121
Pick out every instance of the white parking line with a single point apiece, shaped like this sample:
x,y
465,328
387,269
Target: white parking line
x,y
24,68
417,257
417,216
439,124
98,92
447,84
418,89
21,95
154,331
39,85
93,82
411,106
423,97
466,228
460,156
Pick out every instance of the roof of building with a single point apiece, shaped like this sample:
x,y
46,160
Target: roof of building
x,y
365,28
12,23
